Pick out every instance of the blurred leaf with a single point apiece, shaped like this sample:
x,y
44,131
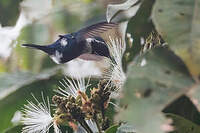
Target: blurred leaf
x,y
9,12
122,12
2,66
178,21
19,90
126,128
154,80
34,10
183,125
87,1
9,83
112,129
23,58
194,96
66,22
184,107
139,26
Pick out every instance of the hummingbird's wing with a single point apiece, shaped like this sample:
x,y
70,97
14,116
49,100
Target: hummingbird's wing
x,y
98,49
99,36
102,30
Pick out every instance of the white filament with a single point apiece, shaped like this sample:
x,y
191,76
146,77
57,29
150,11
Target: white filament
x,y
116,74
71,87
37,117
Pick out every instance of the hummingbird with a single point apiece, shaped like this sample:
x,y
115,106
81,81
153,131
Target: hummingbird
x,y
88,44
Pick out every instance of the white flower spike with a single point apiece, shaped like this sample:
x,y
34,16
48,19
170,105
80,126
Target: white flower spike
x,y
37,117
116,74
72,87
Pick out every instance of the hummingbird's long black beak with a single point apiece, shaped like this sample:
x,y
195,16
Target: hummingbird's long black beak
x,y
46,49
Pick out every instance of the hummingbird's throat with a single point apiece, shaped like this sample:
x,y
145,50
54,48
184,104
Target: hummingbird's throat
x,y
57,57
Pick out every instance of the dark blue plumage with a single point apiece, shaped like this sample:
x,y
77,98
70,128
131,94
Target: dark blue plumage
x,y
88,43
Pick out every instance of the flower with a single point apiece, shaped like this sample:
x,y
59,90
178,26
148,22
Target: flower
x,y
116,74
72,87
16,117
77,88
37,117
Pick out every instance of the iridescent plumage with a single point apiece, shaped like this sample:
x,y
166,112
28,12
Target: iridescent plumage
x,y
89,43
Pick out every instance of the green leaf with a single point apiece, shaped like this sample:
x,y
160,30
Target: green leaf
x,y
19,89
154,80
125,12
139,27
15,129
10,12
112,129
184,107
9,83
178,21
183,125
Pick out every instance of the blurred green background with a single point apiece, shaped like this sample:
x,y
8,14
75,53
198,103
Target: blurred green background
x,y
160,87
24,71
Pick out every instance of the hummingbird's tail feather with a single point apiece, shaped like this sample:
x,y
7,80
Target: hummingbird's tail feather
x,y
46,49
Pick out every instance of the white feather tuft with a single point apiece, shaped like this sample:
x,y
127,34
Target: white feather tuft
x,y
57,57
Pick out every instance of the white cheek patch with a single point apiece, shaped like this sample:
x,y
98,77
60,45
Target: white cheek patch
x,y
89,40
63,42
57,57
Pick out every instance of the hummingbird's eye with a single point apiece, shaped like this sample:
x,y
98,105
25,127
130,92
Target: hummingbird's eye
x,y
72,36
63,41
61,36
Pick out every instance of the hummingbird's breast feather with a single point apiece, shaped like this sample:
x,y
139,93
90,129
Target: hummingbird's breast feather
x,y
91,57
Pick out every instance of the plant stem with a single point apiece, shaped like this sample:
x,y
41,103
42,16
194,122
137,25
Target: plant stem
x,y
103,113
98,126
85,126
97,123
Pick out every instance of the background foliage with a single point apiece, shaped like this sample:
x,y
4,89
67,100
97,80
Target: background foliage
x,y
162,91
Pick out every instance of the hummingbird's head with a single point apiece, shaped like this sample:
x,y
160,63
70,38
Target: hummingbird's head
x,y
62,50
65,49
